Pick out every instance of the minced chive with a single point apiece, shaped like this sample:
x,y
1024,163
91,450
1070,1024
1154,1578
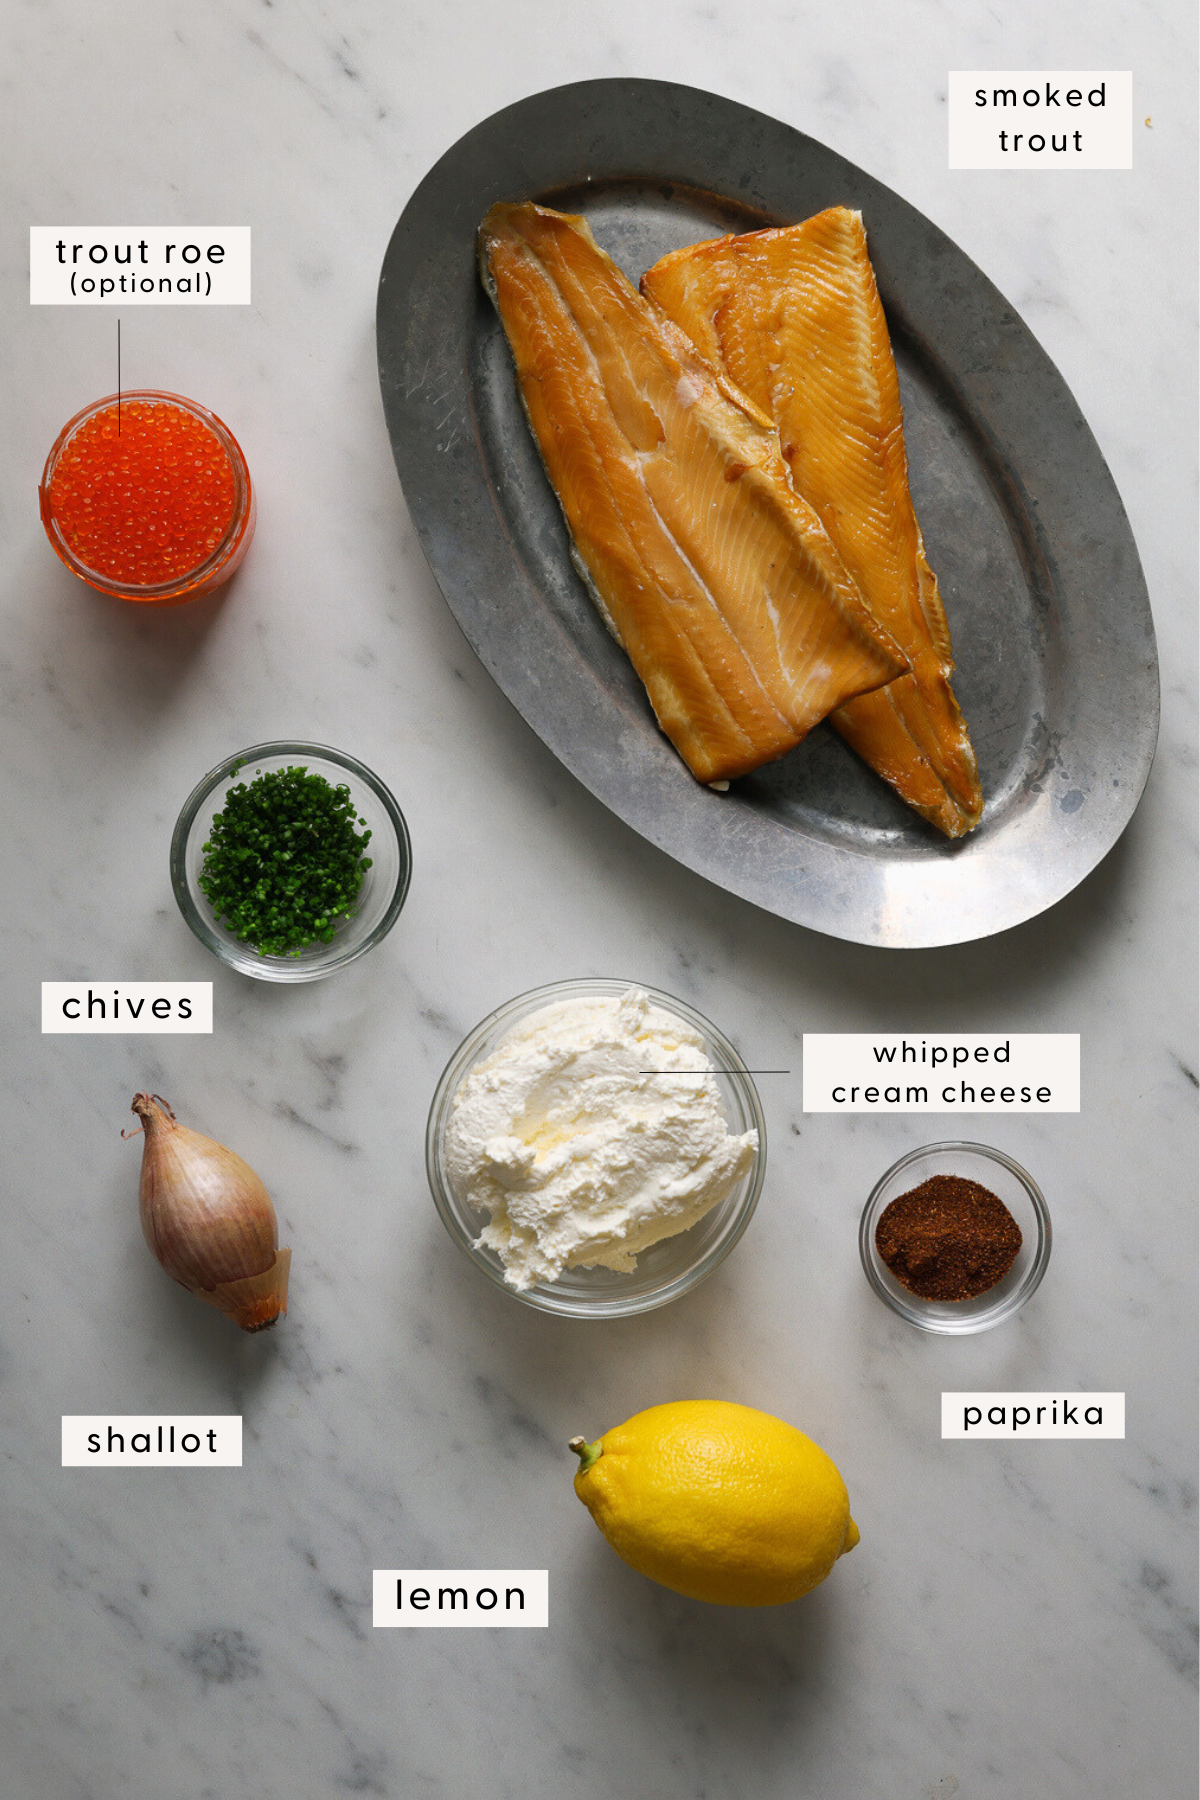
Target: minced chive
x,y
284,864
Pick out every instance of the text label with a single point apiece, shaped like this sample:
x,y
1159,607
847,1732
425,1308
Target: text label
x,y
944,1072
1033,1415
1041,119
151,1441
127,1006
139,265
462,1597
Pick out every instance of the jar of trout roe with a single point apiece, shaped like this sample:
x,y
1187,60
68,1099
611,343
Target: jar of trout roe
x,y
148,497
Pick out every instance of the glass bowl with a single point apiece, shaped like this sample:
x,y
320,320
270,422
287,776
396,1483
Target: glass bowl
x,y
384,887
668,1269
217,567
1023,1198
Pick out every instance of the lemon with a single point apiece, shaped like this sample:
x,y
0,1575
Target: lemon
x,y
718,1502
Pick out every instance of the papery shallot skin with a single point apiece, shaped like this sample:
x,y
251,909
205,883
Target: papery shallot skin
x,y
793,316
718,579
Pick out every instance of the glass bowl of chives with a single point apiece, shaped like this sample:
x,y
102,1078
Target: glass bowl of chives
x,y
272,866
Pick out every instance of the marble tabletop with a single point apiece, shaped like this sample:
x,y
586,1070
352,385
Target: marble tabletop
x,y
1019,1619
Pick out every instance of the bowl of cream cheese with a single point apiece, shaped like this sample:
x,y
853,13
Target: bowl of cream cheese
x,y
596,1148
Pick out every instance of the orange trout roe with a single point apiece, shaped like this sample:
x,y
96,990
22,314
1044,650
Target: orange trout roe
x,y
148,506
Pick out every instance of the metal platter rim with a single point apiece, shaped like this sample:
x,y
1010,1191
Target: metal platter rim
x,y
841,890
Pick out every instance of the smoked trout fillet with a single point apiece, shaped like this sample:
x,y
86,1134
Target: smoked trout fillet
x,y
793,316
719,581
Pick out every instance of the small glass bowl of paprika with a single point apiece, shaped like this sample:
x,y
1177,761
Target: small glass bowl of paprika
x,y
146,496
947,1173
288,841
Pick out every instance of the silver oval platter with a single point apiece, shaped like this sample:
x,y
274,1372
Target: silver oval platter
x,y
1056,666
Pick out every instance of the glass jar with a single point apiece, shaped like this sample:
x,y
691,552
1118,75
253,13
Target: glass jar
x,y
129,515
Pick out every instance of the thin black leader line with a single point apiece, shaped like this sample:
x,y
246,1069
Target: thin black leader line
x,y
118,377
714,1071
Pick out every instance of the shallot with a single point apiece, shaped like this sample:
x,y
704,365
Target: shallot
x,y
209,1220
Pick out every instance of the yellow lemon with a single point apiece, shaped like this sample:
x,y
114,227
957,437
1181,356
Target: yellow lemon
x,y
718,1502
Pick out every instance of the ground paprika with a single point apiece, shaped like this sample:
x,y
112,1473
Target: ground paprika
x,y
948,1239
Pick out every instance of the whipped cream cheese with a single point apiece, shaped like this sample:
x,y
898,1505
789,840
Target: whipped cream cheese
x,y
580,1154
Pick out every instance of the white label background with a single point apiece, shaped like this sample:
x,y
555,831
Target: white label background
x,y
1106,133
76,1428
50,279
847,1059
56,994
1112,1406
534,1584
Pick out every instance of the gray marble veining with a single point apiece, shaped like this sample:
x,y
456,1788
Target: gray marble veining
x,y
1019,1619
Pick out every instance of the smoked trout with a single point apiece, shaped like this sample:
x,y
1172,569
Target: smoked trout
x,y
793,317
707,564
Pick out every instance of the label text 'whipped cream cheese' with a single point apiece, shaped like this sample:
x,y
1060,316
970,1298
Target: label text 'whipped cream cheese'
x,y
946,1072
